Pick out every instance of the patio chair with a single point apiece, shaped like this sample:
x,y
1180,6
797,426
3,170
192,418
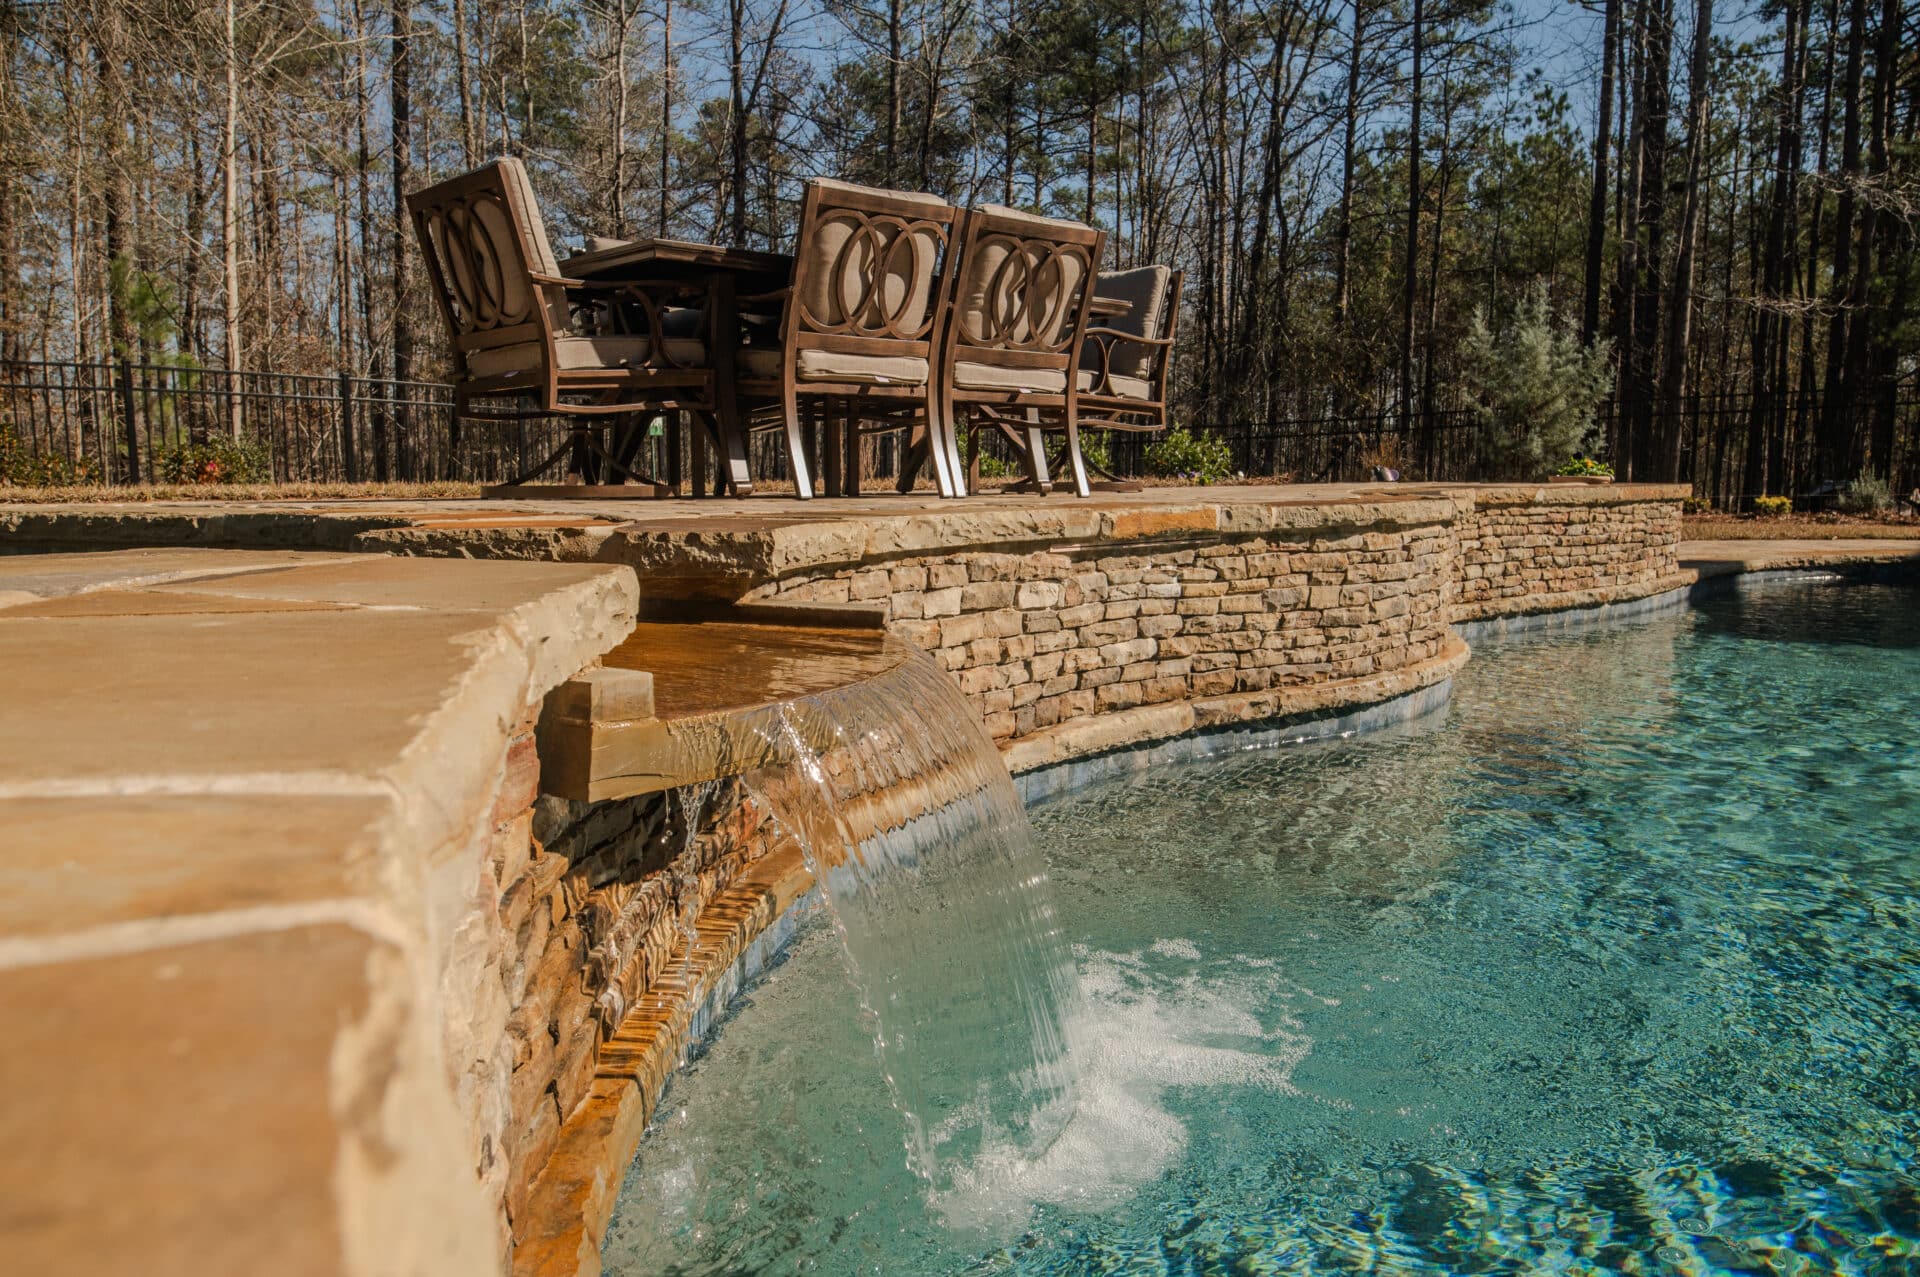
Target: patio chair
x,y
1124,360
1021,294
857,328
533,343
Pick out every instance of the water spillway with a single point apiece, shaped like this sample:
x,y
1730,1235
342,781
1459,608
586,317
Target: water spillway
x,y
787,768
943,909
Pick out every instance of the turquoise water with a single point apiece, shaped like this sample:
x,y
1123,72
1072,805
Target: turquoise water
x,y
1612,966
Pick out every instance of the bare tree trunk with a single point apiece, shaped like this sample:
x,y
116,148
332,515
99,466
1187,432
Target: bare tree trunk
x,y
1411,266
235,349
1836,420
1680,305
402,112
1343,230
622,93
894,109
737,123
666,114
469,131
1597,202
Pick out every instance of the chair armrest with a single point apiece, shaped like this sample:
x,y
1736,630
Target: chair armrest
x,y
563,281
1114,334
777,295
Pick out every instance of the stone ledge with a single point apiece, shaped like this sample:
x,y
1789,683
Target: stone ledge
x,y
264,789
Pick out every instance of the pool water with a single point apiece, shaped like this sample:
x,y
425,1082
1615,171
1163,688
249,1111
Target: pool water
x,y
1611,966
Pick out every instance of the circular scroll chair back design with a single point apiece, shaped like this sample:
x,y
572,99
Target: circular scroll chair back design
x,y
531,342
1021,297
858,331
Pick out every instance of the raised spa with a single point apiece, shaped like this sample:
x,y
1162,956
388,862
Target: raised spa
x,y
1611,965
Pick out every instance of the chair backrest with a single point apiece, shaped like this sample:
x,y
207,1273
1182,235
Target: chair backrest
x,y
867,269
1021,289
483,240
1145,290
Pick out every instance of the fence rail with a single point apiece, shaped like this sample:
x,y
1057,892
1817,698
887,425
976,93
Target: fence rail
x,y
147,423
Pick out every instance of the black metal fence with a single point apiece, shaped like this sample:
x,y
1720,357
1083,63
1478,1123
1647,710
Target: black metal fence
x,y
147,423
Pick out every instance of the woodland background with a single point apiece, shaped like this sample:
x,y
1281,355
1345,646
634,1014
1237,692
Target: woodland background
x,y
1684,233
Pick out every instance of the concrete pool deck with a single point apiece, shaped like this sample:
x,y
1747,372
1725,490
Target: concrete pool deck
x,y
256,793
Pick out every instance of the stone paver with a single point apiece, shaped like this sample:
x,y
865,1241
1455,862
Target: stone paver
x,y
246,796
1721,558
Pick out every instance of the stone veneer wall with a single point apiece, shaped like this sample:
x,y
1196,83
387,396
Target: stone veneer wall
x,y
575,916
1520,552
1041,639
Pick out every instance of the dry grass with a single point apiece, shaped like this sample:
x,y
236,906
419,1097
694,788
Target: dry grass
x,y
97,495
1799,527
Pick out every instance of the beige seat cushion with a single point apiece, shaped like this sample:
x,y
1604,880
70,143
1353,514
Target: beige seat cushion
x,y
830,365
976,376
601,243
1118,386
580,354
1145,291
837,262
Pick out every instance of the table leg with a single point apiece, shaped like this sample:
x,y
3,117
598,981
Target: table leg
x,y
851,475
702,464
723,345
830,450
671,424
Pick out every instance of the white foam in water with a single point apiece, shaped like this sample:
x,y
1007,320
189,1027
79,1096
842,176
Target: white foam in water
x,y
1138,1034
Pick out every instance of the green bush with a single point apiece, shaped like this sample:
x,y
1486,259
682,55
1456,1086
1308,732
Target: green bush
x,y
1869,494
19,467
1696,505
1772,507
1181,454
1586,467
1539,387
215,461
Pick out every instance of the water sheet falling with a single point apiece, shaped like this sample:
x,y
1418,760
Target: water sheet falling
x,y
911,824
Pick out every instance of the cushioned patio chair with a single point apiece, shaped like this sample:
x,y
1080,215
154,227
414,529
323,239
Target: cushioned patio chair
x,y
1021,293
857,327
1125,360
533,343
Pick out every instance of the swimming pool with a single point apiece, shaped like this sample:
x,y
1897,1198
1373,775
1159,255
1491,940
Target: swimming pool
x,y
1612,965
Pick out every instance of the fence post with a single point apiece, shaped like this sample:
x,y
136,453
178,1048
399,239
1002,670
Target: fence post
x,y
131,422
346,427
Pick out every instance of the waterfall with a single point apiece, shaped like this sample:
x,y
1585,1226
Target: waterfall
x,y
912,827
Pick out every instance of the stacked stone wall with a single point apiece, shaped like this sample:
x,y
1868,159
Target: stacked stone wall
x,y
581,906
1044,638
1529,556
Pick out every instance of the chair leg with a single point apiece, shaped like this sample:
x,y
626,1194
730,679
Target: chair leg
x,y
939,423
956,474
1080,485
797,448
1037,453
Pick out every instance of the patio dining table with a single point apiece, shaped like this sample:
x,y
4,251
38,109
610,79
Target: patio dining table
x,y
723,274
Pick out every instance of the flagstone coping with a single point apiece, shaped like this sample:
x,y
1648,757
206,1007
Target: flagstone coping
x,y
243,793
